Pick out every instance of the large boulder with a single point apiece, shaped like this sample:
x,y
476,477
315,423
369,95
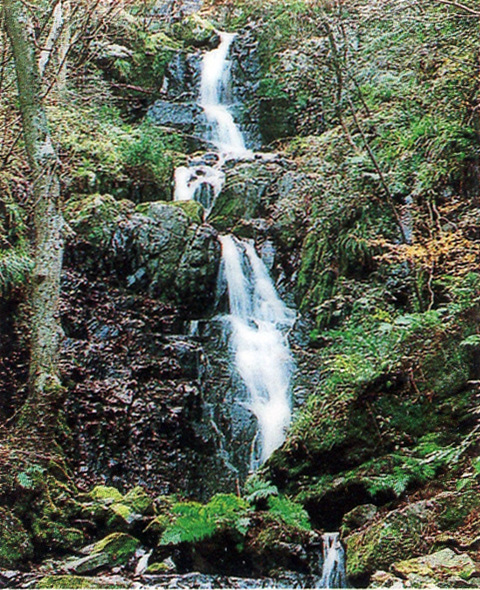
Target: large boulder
x,y
158,248
444,567
184,116
404,534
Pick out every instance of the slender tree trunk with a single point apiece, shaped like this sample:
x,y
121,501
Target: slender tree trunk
x,y
41,410
65,40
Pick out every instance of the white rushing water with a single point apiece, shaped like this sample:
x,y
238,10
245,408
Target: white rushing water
x,y
202,181
226,136
257,321
333,572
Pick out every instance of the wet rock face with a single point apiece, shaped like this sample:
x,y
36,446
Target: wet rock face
x,y
245,80
159,251
135,410
184,116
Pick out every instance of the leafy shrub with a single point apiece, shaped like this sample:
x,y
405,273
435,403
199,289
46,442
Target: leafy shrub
x,y
291,513
256,489
193,521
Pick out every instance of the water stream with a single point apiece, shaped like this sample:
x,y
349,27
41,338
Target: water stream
x,y
203,178
257,317
257,321
255,327
333,571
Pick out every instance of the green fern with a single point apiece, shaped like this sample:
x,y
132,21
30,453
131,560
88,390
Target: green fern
x,y
258,489
290,512
194,521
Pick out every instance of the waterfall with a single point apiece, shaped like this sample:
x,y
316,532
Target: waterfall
x,y
333,572
213,93
258,318
256,325
201,180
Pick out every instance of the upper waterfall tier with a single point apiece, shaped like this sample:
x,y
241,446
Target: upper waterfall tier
x,y
226,136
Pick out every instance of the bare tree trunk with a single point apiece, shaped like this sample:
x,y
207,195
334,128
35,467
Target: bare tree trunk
x,y
64,47
45,388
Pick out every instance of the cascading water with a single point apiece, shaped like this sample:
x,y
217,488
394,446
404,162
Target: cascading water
x,y
333,571
213,92
256,323
203,181
258,320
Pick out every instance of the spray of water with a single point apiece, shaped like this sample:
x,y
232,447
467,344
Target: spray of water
x,y
257,323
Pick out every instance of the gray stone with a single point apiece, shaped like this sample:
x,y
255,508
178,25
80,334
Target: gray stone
x,y
88,564
184,116
436,567
357,517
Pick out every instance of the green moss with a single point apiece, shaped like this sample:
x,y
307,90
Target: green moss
x,y
157,568
454,511
194,210
15,543
68,582
74,582
139,501
106,495
50,534
119,546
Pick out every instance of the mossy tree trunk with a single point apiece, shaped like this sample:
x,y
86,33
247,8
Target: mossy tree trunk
x,y
40,412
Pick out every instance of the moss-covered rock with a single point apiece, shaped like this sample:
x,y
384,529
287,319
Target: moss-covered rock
x,y
400,535
408,533
106,495
195,31
243,196
49,534
439,567
119,547
121,516
194,210
73,582
138,499
15,544
68,582
357,518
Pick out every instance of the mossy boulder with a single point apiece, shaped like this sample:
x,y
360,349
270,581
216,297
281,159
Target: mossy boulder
x,y
95,217
140,501
15,544
243,196
409,532
358,517
195,31
400,535
444,566
117,511
49,533
106,495
120,547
